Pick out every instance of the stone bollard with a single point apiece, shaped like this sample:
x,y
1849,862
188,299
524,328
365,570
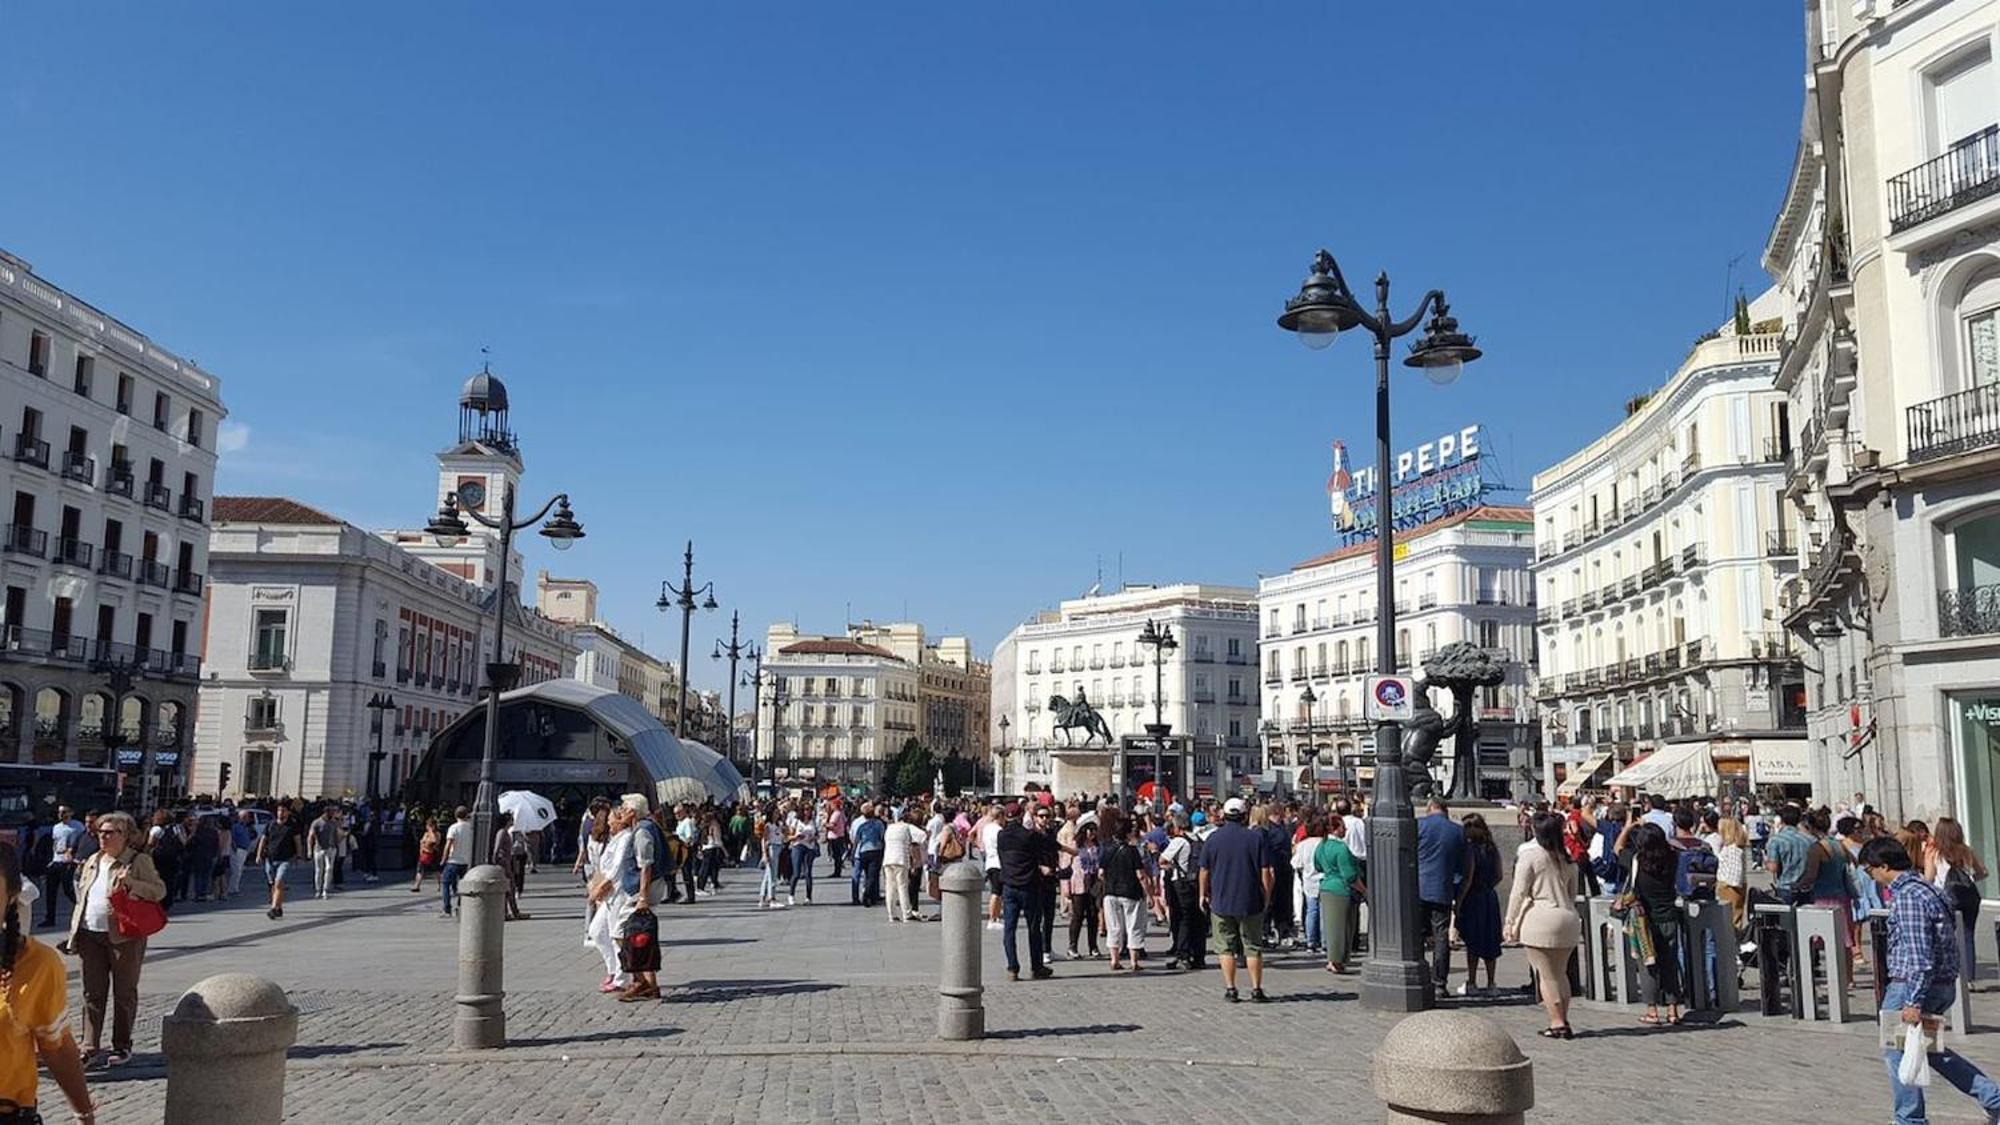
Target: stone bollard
x,y
1449,1066
225,1045
961,1004
481,1021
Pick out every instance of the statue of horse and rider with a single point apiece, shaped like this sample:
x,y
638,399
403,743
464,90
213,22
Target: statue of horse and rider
x,y
1078,714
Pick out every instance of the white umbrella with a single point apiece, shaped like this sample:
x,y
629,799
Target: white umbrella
x,y
532,811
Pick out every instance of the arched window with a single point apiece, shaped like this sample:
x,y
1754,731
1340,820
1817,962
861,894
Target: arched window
x,y
11,707
52,720
167,732
1970,602
1973,354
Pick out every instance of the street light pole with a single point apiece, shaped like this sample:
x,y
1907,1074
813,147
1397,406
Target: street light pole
x,y
1159,638
755,680
735,650
381,703
449,528
1394,977
1000,771
684,596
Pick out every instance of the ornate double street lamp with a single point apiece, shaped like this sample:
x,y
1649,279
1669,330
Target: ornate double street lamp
x,y
1001,751
736,650
449,528
684,596
1311,756
1159,638
1393,978
381,703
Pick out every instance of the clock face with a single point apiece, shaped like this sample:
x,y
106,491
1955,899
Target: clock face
x,y
472,494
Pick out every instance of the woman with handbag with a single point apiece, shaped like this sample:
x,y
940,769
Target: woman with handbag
x,y
118,873
1655,922
1541,916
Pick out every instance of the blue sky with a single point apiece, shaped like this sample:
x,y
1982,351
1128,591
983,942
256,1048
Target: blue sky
x,y
897,309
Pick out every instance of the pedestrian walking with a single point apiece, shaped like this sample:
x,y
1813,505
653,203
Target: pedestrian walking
x,y
771,836
1180,869
276,848
510,851
802,836
164,845
1305,877
204,850
1127,888
242,841
836,833
899,854
1236,883
1440,871
1083,887
1478,906
1022,867
59,878
1922,976
869,834
457,854
429,848
1541,916
36,1029
641,877
606,854
111,961
323,848
1342,886
1955,869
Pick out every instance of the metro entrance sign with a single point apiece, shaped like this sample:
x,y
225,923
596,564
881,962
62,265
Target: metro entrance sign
x,y
1389,699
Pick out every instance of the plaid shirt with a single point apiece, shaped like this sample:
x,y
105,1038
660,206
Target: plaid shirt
x,y
1923,943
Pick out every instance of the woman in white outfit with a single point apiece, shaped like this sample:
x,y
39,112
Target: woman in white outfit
x,y
613,905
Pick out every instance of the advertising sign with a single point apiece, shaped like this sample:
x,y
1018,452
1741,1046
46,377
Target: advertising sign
x,y
1389,699
1436,479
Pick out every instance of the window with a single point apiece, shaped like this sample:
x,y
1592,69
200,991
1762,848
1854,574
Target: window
x,y
258,768
1963,96
124,402
162,407
38,354
270,630
194,428
1979,312
1235,646
263,712
1489,634
84,366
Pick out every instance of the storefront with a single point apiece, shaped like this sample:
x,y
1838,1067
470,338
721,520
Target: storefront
x,y
1975,736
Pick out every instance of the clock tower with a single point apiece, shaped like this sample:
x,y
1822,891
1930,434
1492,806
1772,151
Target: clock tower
x,y
479,467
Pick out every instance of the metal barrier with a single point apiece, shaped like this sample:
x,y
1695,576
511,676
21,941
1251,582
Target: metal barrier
x,y
1820,957
1773,927
1708,947
1614,978
1875,932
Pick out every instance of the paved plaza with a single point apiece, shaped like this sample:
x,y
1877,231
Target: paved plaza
x,y
828,1012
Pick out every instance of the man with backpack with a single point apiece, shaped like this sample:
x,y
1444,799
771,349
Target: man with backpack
x,y
1180,867
1695,863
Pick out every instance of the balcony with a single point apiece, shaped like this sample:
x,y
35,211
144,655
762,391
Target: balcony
x,y
79,466
1117,660
159,496
1776,449
269,662
1692,556
69,647
380,670
115,564
1545,615
1969,612
1427,601
30,450
1269,632
263,729
187,582
24,540
1954,424
1780,544
1966,173
1570,607
1203,656
1298,627
1628,585
1299,675
192,508
73,551
1588,601
1319,672
1204,695
118,480
1236,658
1691,464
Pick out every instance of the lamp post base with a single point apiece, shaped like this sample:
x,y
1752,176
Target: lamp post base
x,y
1395,977
1395,986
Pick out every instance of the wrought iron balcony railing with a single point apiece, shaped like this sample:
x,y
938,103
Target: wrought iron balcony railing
x,y
1956,423
1967,172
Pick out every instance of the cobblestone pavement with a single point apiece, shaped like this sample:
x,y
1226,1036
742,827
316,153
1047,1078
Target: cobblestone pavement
x,y
827,1012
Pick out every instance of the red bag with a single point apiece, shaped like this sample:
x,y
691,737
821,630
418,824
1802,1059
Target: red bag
x,y
136,917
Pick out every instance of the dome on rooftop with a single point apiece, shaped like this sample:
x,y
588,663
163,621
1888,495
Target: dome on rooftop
x,y
484,392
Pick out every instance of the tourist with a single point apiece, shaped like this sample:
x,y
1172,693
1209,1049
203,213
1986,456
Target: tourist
x,y
1342,885
276,848
836,833
802,836
1180,870
920,855
204,849
1478,905
59,878
771,835
986,831
1305,877
1126,890
37,996
429,847
589,860
641,875
110,960
1050,879
1541,916
510,851
1654,903
868,833
1658,814
1732,870
1440,871
1829,881
1277,832
1236,882
457,855
608,849
1082,887
899,857
164,845
1923,966
713,849
242,841
1953,868
1022,868
323,847
1792,858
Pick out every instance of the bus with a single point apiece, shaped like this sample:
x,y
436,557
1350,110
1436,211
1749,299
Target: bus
x,y
35,792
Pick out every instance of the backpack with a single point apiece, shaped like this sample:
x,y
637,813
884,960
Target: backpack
x,y
1603,861
1695,874
1194,854
1961,891
953,848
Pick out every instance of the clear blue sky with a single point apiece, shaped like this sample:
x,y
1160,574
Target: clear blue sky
x,y
917,308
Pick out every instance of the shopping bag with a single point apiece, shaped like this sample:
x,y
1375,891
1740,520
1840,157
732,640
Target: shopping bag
x,y
1915,1069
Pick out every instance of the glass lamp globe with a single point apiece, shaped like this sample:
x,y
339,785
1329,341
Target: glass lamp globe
x,y
1444,370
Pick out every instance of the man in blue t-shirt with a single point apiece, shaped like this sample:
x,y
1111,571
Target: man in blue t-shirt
x,y
1236,882
1440,869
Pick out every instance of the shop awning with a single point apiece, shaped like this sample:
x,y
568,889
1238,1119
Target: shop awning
x,y
1780,761
1681,769
1581,775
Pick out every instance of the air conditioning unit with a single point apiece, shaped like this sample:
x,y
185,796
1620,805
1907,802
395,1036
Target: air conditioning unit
x,y
1865,458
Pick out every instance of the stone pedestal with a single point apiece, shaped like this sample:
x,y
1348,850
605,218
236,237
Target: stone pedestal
x,y
1449,1066
481,1019
225,1044
961,996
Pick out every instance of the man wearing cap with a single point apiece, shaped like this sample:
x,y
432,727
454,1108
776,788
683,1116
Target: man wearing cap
x,y
1235,887
1023,869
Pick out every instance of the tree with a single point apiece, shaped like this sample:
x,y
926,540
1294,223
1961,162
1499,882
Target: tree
x,y
1462,668
911,771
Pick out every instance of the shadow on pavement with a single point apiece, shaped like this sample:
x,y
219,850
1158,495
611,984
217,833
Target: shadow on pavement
x,y
716,992
318,1050
595,1037
1062,1032
1643,1030
678,943
1312,997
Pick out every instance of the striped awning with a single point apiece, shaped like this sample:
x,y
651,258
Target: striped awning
x,y
1678,769
1580,776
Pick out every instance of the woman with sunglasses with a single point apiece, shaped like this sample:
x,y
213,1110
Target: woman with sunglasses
x,y
110,959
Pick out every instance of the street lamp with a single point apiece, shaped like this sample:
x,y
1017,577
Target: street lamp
x,y
1159,638
1002,751
449,528
1394,977
1312,751
381,703
684,596
736,650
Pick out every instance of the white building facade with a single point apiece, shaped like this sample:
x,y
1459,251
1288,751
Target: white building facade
x,y
1887,251
604,658
1659,551
837,711
1089,647
111,462
1462,578
312,619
